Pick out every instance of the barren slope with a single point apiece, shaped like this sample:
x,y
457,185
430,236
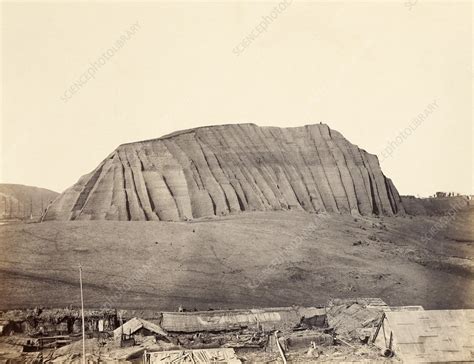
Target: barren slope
x,y
219,170
252,259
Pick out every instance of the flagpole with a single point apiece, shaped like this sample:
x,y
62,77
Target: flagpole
x,y
82,314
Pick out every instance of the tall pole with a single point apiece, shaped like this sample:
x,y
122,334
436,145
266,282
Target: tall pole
x,y
83,325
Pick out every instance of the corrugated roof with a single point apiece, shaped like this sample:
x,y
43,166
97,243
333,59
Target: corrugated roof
x,y
228,320
432,336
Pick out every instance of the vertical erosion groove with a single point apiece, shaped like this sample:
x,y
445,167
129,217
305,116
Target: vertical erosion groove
x,y
324,178
84,195
337,168
125,188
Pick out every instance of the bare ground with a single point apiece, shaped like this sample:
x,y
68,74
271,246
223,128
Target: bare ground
x,y
247,260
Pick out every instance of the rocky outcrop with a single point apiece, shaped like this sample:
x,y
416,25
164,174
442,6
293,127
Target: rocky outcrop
x,y
220,170
24,202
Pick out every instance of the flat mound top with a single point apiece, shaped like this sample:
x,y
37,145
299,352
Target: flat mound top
x,y
193,130
219,126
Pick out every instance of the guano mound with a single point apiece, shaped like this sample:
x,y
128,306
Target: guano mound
x,y
219,170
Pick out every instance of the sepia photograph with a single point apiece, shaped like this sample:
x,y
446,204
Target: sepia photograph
x,y
234,182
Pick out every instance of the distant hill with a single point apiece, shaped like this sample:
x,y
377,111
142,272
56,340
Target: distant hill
x,y
433,206
24,202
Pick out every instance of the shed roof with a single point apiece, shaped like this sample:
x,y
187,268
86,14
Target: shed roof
x,y
235,319
135,324
433,336
364,301
219,355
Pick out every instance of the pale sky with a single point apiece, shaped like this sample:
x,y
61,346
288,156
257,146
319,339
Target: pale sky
x,y
366,69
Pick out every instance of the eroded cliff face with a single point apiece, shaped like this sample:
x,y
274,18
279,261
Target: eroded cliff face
x,y
219,170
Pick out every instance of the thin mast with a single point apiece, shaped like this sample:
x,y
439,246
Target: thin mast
x,y
82,314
